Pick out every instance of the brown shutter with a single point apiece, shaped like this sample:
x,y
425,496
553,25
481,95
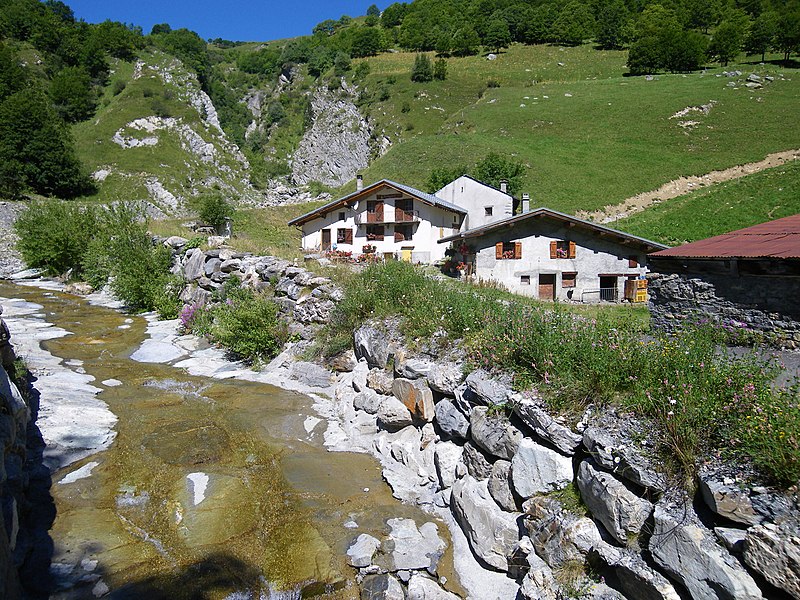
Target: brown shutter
x,y
632,262
572,249
517,250
348,236
553,247
498,250
379,212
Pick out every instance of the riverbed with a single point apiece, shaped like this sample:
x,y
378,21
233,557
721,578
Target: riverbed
x,y
170,485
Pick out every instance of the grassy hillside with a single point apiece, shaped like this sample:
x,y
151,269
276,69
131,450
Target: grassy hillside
x,y
590,136
760,197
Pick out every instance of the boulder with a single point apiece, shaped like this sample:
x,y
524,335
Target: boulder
x,y
212,266
344,362
229,266
393,414
620,511
195,263
369,401
371,344
450,420
447,455
477,463
445,378
491,533
313,310
380,381
731,538
362,550
487,390
494,433
417,397
500,486
546,427
407,547
381,586
310,374
688,552
412,368
728,500
563,538
425,588
538,470
774,551
633,576
539,583
620,457
175,242
287,287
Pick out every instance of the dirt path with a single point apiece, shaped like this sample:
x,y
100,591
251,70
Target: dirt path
x,y
684,185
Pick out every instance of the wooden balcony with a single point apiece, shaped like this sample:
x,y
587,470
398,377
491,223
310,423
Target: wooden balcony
x,y
388,217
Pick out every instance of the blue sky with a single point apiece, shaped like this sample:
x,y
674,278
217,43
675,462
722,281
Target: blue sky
x,y
237,20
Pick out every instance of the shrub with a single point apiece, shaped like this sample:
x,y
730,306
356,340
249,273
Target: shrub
x,y
213,209
422,70
54,235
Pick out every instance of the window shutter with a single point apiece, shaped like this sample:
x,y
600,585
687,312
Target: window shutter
x,y
572,249
553,247
348,236
517,250
632,262
498,250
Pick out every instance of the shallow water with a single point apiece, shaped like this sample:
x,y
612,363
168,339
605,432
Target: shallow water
x,y
211,487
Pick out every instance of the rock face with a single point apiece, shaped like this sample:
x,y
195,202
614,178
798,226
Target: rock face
x,y
491,532
336,146
620,511
774,551
686,550
538,470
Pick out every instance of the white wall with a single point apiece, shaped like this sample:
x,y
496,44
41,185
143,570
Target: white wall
x,y
475,197
434,224
593,256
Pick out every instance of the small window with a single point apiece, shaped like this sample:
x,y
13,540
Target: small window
x,y
341,216
568,280
487,211
562,249
374,232
344,236
525,279
633,262
455,219
508,250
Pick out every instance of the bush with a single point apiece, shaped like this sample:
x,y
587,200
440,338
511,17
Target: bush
x,y
213,209
53,235
422,70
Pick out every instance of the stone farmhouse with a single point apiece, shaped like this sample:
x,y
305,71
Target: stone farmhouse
x,y
400,221
745,278
554,256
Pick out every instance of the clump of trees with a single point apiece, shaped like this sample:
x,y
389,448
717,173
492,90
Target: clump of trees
x,y
491,170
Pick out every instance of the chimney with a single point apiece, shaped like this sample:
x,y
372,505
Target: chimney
x,y
526,203
504,186
359,182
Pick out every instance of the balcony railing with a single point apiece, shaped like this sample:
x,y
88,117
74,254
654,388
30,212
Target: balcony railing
x,y
389,216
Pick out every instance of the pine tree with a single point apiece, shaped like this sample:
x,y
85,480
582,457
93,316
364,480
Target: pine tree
x,y
423,70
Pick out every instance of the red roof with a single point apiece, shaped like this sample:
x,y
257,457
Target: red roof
x,y
775,239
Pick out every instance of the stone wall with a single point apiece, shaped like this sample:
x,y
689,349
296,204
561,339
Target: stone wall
x,y
540,500
768,304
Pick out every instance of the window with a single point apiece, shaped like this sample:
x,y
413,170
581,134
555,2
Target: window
x,y
525,279
341,216
403,233
487,211
374,232
508,250
344,236
568,280
562,249
633,262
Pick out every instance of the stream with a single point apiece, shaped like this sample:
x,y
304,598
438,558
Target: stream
x,y
202,488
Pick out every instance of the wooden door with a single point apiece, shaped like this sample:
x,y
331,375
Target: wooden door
x,y
326,239
547,287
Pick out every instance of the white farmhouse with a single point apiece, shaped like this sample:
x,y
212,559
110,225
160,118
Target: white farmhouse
x,y
554,256
386,218
483,203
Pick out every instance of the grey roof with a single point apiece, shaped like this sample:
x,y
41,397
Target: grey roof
x,y
424,196
548,212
